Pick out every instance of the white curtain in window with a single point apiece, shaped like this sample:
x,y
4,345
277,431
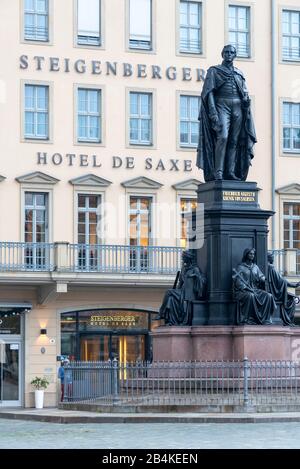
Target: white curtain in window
x,y
140,20
89,17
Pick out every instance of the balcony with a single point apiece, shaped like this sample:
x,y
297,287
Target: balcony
x,y
109,264
62,262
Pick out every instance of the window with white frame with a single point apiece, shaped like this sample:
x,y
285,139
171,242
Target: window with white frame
x,y
140,118
239,29
36,20
291,220
291,127
36,120
290,35
140,233
190,27
188,206
89,206
140,24
189,125
88,115
89,22
36,230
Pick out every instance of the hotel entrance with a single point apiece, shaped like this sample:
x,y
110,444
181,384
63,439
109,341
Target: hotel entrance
x,y
101,335
103,347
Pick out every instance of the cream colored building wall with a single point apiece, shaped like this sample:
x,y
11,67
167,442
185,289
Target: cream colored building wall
x,y
18,158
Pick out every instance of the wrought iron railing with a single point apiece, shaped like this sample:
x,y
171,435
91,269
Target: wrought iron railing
x,y
124,259
183,383
26,256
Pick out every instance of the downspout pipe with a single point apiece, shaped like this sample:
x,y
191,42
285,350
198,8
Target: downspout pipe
x,y
273,112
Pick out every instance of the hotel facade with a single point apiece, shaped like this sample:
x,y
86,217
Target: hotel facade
x,y
98,106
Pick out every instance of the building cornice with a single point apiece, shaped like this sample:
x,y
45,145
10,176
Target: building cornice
x,y
187,185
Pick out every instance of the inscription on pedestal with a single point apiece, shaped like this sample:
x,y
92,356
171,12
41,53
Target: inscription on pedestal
x,y
238,196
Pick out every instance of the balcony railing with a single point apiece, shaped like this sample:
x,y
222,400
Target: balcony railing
x,y
65,257
124,259
111,259
34,257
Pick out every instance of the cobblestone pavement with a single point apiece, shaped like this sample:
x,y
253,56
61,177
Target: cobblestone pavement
x,y
20,434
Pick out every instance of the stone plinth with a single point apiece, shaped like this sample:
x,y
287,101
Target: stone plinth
x,y
233,221
226,343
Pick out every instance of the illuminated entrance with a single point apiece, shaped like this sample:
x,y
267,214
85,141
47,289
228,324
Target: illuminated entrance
x,y
101,335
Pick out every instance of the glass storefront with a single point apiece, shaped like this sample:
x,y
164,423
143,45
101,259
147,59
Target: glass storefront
x,y
10,356
101,335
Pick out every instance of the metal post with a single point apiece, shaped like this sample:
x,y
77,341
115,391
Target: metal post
x,y
246,394
115,368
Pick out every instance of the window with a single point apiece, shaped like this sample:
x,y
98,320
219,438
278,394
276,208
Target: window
x,y
88,22
189,125
36,112
187,206
291,127
239,29
140,118
36,20
140,233
291,35
89,115
36,230
140,24
88,226
190,27
291,237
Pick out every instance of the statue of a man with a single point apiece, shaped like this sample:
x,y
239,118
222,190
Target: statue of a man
x,y
190,284
226,132
278,286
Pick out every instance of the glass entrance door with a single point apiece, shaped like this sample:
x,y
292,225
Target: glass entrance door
x,y
10,373
103,347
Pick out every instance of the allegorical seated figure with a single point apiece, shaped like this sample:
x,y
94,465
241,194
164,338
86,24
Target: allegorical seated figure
x,y
190,284
278,287
256,306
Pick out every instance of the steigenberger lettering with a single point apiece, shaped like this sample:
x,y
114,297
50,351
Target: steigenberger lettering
x,y
97,67
124,162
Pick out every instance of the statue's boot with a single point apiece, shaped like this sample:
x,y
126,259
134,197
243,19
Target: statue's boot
x,y
231,165
219,175
233,176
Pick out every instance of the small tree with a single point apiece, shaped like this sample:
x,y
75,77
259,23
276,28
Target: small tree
x,y
40,383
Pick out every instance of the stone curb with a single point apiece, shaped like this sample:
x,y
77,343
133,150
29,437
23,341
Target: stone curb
x,y
65,419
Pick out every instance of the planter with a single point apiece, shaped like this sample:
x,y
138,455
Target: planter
x,y
39,398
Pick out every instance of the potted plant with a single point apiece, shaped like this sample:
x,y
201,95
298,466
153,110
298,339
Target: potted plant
x,y
40,384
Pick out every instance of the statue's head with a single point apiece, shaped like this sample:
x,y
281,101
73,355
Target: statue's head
x,y
249,255
270,257
229,53
187,257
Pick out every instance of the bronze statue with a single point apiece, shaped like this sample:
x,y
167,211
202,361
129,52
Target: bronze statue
x,y
278,287
226,131
255,305
190,285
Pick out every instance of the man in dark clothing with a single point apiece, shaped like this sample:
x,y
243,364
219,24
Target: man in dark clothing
x,y
226,133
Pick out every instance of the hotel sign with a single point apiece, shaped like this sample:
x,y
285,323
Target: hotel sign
x,y
114,321
98,67
124,162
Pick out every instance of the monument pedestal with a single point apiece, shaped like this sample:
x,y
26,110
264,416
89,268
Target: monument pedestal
x,y
226,343
233,221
